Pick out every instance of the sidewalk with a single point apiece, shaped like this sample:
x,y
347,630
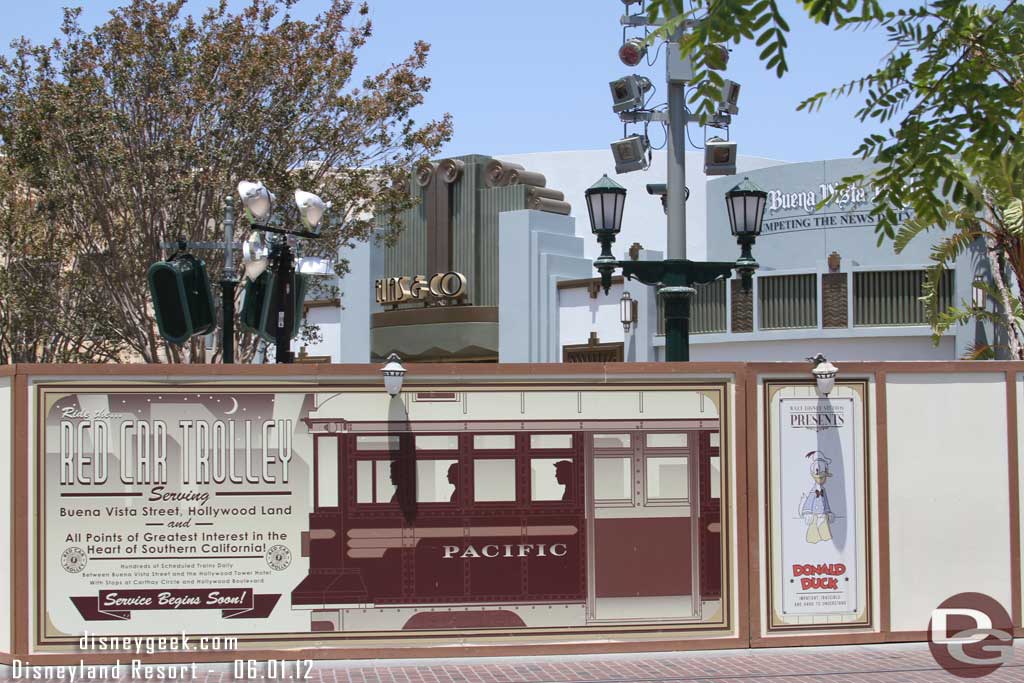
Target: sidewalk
x,y
896,663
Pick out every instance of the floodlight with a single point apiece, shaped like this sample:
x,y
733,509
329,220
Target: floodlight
x,y
632,51
314,265
311,209
257,201
722,55
631,153
730,97
719,157
628,92
254,256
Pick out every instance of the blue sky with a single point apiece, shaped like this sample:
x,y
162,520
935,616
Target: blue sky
x,y
532,75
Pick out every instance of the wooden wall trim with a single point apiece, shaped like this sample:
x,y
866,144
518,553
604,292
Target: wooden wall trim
x,y
882,458
20,518
753,507
428,371
1013,472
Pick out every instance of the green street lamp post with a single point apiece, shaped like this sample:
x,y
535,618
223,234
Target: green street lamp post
x,y
675,278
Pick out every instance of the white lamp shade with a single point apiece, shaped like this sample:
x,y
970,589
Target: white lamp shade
x,y
257,200
605,202
394,374
745,204
254,256
825,377
311,209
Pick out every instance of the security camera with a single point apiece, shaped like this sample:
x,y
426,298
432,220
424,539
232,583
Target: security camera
x,y
730,97
719,157
631,153
661,189
628,92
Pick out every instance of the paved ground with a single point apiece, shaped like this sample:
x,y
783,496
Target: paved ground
x,y
854,664
902,663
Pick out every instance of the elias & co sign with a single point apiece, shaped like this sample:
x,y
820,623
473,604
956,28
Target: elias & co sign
x,y
448,286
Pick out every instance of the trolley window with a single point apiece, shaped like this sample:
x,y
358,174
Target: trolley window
x,y
667,478
550,441
437,481
716,476
603,441
612,479
377,443
551,478
327,472
494,442
437,442
494,480
373,481
666,440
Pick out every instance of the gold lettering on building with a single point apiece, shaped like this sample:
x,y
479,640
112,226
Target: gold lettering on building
x,y
450,286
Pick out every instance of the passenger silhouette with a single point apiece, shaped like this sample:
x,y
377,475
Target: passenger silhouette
x,y
453,479
396,476
563,475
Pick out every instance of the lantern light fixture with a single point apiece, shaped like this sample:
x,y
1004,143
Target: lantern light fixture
x,y
745,204
394,374
627,311
824,374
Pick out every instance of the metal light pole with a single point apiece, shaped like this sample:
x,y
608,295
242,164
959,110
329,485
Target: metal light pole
x,y
258,203
676,153
228,284
676,276
283,267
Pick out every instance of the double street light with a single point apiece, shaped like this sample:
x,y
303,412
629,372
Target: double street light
x,y
258,203
675,278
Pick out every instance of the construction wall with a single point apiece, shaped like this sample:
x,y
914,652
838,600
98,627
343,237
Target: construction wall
x,y
918,463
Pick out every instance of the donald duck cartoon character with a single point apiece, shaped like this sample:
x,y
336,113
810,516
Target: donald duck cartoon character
x,y
814,507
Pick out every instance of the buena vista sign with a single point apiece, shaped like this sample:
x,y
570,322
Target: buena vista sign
x,y
831,193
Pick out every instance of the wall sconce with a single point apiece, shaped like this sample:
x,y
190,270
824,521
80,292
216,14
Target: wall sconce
x,y
393,373
627,311
824,374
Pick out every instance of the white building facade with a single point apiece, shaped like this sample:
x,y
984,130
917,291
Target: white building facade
x,y
824,285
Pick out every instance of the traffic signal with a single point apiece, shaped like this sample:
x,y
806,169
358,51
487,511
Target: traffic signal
x,y
182,299
260,309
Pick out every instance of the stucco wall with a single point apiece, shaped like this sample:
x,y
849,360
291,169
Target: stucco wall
x,y
949,512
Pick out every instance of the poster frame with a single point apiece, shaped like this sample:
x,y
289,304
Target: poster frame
x,y
773,592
